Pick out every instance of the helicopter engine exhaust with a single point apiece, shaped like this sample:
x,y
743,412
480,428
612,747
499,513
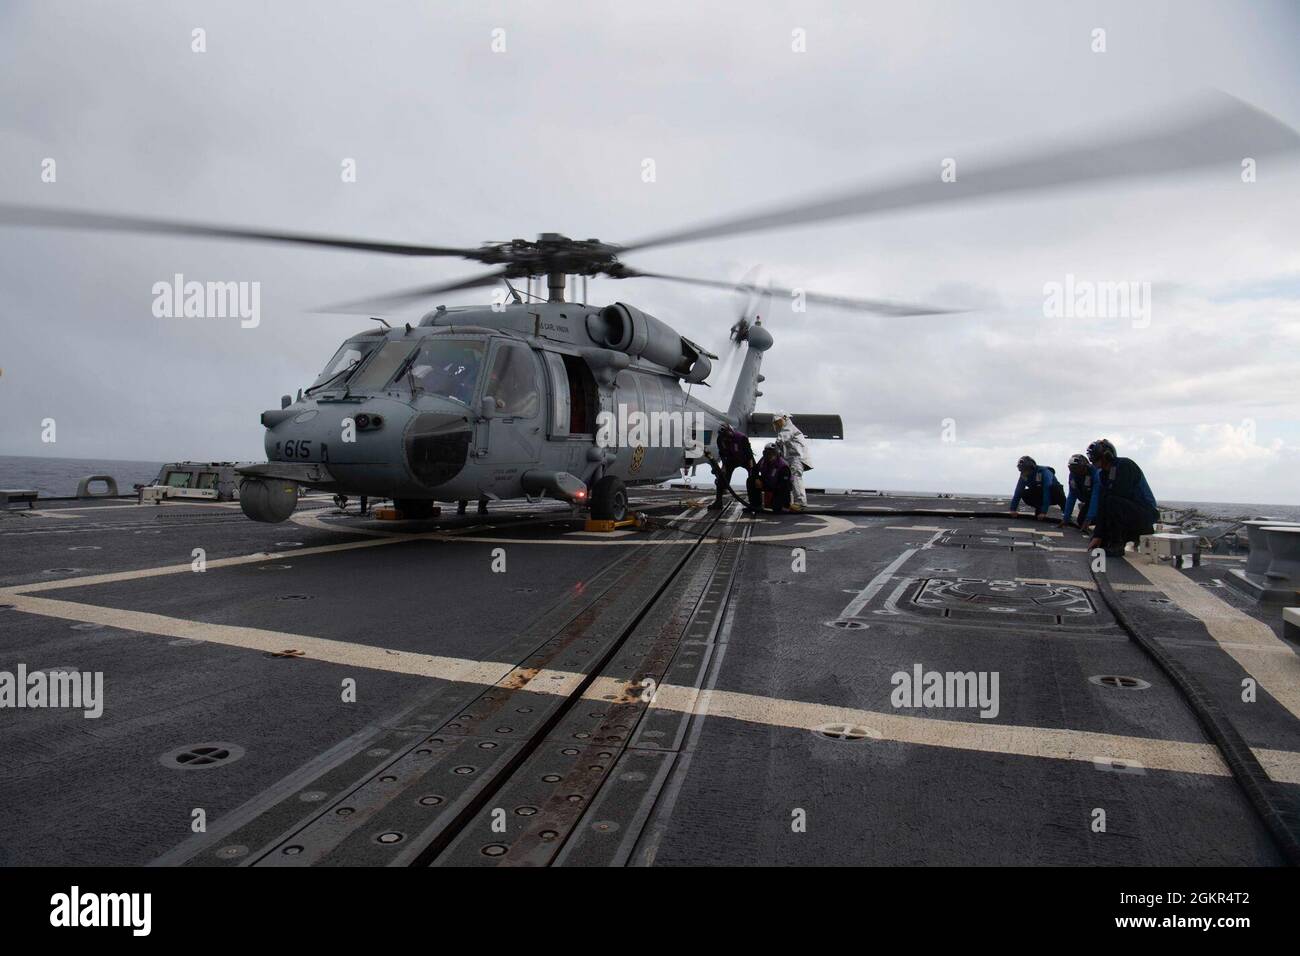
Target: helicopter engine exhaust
x,y
627,329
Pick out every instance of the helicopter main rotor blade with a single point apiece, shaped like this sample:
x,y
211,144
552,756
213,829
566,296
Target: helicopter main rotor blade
x,y
396,300
1212,130
876,306
70,219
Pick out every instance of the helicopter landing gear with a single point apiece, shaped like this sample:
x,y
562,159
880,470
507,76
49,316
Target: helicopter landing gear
x,y
482,506
461,506
341,502
414,509
609,499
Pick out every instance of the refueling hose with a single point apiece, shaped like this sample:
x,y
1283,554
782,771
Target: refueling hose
x,y
1282,824
1241,760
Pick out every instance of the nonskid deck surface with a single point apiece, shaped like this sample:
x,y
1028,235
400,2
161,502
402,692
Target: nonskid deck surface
x,y
713,689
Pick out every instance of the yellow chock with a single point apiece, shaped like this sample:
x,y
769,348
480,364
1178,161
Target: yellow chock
x,y
635,520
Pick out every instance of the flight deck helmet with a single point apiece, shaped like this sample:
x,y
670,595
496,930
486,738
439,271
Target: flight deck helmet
x,y
1078,464
1026,465
1101,448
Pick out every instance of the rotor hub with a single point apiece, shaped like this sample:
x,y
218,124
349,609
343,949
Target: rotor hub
x,y
552,253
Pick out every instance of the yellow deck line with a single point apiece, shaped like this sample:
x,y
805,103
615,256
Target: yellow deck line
x,y
1249,642
1042,742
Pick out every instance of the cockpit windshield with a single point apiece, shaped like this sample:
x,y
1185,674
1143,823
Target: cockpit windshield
x,y
348,357
448,367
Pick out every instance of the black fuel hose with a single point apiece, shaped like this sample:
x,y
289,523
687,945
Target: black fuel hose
x,y
1241,760
916,513
1246,769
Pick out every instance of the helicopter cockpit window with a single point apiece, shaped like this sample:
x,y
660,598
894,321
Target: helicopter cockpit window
x,y
449,367
382,365
513,382
349,356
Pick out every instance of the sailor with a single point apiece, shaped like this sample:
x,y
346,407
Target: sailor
x,y
794,448
775,479
733,452
1038,486
1126,508
1085,488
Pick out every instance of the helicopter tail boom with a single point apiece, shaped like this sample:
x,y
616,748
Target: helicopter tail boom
x,y
746,394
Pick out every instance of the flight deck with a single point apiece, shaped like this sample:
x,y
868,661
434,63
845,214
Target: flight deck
x,y
878,680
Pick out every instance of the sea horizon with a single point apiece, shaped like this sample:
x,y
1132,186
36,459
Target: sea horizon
x,y
58,477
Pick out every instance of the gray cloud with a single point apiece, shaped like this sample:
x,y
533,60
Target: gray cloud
x,y
455,144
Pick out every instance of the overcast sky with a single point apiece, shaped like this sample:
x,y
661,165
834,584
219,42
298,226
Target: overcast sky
x,y
456,144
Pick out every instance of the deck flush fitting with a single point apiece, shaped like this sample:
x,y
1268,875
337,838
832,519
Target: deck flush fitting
x,y
846,625
841,731
1119,681
202,756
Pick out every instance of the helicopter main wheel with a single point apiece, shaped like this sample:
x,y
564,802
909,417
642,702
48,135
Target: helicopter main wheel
x,y
414,509
609,499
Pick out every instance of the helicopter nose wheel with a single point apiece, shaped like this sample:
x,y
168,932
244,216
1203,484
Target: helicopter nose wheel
x,y
609,499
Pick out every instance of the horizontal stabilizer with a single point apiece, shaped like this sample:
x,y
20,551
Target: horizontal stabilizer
x,y
813,426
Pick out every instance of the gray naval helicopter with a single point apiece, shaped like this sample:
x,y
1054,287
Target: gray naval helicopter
x,y
511,400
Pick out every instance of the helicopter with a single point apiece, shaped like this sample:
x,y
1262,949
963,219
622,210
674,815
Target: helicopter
x,y
516,399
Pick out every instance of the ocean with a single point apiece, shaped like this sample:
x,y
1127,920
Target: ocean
x,y
58,477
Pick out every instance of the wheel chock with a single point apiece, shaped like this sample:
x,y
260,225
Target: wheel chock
x,y
635,520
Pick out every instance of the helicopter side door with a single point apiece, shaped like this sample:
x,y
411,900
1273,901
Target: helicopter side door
x,y
574,402
510,441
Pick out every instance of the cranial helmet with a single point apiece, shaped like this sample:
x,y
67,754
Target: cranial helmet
x,y
1026,464
1101,448
1078,461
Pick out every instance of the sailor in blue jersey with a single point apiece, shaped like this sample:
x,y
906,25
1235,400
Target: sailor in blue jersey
x,y
1126,509
1085,488
1039,488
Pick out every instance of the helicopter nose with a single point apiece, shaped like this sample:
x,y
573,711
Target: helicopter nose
x,y
335,434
